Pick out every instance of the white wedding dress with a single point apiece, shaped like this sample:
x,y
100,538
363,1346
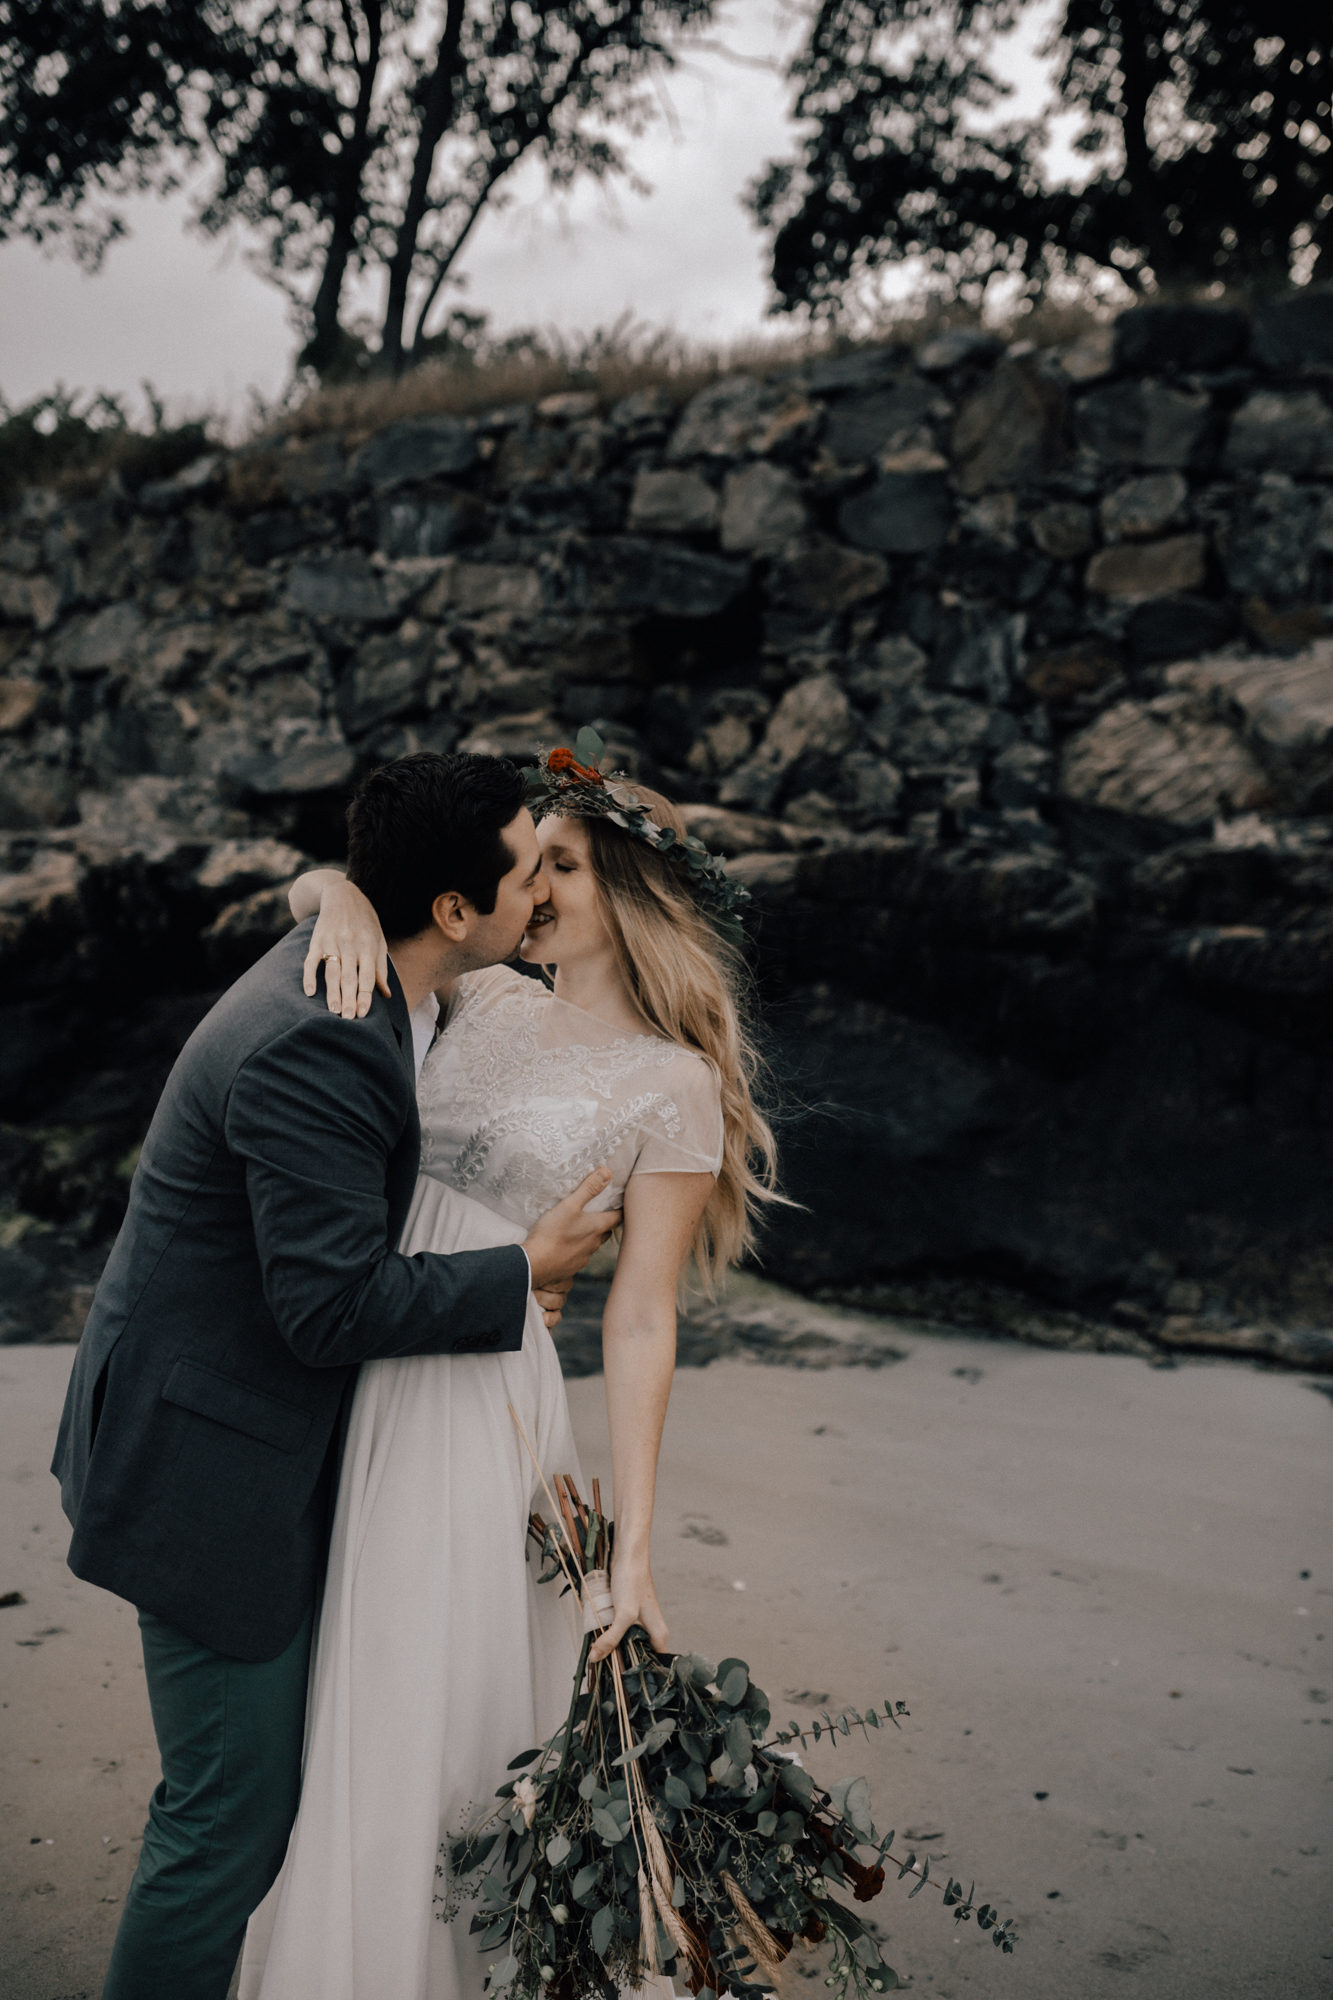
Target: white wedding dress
x,y
438,1658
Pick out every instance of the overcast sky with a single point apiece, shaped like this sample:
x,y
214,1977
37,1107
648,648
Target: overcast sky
x,y
194,319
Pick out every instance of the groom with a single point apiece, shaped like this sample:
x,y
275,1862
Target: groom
x,y
256,1268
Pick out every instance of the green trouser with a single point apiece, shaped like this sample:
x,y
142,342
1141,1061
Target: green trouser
x,y
230,1734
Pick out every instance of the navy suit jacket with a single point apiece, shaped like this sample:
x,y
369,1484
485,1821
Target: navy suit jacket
x,y
254,1272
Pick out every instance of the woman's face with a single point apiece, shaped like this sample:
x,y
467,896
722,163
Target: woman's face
x,y
569,926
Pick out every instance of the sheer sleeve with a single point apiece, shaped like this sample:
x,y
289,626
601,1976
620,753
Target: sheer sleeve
x,y
681,1132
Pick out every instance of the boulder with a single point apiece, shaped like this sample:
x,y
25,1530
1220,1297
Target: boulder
x,y
341,586
903,513
816,717
1064,530
1012,429
1281,431
761,509
98,644
474,589
1294,334
960,347
725,420
868,368
732,833
1268,541
1145,507
39,907
240,935
978,653
672,503
1162,760
876,787
1021,777
1071,671
322,761
1149,569
268,536
645,413
822,577
235,868
623,573
388,678
1170,340
313,468
1170,628
421,448
1284,710
861,427
19,702
519,736
568,406
1283,631
1144,423
37,793
35,600
421,524
924,732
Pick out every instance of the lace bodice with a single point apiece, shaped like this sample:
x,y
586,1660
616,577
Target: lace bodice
x,y
524,1094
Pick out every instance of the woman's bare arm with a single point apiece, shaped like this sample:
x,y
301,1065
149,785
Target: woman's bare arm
x,y
639,1358
347,935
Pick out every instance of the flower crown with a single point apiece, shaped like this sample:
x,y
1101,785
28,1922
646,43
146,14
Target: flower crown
x,y
569,781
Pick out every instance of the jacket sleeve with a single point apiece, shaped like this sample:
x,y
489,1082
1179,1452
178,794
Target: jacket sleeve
x,y
314,1116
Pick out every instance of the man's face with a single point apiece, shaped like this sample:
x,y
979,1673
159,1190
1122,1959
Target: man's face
x,y
495,938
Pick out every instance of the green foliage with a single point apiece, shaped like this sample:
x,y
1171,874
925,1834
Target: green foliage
x,y
56,439
751,1851
1209,125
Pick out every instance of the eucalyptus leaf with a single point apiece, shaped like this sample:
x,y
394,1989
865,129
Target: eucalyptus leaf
x,y
739,1742
517,1763
586,1881
603,1929
676,1792
767,1824
502,1973
732,1687
557,1849
606,1823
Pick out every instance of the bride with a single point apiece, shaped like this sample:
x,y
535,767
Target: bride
x,y
437,1658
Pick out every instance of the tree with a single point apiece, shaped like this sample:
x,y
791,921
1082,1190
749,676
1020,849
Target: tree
x,y
349,134
1207,123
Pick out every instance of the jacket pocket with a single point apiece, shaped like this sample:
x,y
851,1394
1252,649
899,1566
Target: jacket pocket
x,y
226,1401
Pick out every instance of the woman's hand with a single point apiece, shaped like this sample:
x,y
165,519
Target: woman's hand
x,y
348,939
635,1602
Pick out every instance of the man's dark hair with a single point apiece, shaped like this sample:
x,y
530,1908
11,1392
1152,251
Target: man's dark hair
x,y
425,824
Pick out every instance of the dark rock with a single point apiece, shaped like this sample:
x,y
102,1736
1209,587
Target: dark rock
x,y
672,503
193,482
1295,334
1162,760
1281,431
106,640
626,574
36,793
866,369
335,587
1278,631
1172,628
560,505
388,678
430,524
1168,340
1144,507
422,448
978,653
1012,429
1139,570
822,577
903,513
961,347
244,931
1075,670
814,717
1283,710
736,416
1064,530
1268,543
645,413
931,732
762,509
1021,776
1144,423
981,566
19,703
270,535
860,427
315,763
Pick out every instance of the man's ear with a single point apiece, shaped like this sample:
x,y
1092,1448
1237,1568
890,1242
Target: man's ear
x,y
453,916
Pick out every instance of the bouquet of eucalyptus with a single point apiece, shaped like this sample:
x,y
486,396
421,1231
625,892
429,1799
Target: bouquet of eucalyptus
x,y
667,1827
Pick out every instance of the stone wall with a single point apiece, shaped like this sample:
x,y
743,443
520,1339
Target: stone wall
x,y
1004,675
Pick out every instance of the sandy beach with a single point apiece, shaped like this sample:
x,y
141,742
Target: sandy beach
x,y
1098,1586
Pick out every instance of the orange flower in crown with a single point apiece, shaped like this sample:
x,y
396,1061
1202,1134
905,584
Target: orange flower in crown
x,y
563,760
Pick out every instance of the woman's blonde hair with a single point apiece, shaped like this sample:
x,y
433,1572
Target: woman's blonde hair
x,y
693,988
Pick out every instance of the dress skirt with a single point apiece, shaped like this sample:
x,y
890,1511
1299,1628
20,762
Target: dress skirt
x,y
438,1656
